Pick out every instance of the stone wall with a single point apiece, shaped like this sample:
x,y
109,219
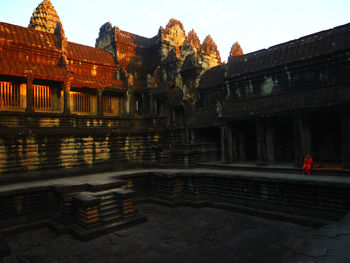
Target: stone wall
x,y
30,143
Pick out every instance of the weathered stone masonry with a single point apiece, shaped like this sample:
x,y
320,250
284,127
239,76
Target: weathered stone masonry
x,y
277,105
167,100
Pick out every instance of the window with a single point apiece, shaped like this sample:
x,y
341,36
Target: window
x,y
113,105
42,98
107,104
82,102
9,96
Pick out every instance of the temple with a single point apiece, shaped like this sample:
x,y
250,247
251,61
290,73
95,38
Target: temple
x,y
166,101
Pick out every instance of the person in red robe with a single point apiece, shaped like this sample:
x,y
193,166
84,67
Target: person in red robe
x,y
308,162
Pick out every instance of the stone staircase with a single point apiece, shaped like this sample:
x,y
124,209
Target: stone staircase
x,y
110,209
103,208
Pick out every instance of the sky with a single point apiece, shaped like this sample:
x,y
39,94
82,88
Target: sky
x,y
255,24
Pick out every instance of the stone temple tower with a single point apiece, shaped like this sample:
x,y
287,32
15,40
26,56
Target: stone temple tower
x,y
44,17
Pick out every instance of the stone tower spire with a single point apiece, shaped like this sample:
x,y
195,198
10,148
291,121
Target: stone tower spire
x,y
236,50
44,18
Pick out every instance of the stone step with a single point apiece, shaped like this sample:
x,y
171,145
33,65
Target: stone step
x,y
112,217
108,201
110,212
109,207
105,196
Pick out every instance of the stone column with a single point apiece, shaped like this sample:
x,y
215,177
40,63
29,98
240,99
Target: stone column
x,y
230,150
29,91
151,105
223,134
99,102
66,95
346,139
297,141
241,145
261,141
129,102
233,136
270,147
302,138
193,136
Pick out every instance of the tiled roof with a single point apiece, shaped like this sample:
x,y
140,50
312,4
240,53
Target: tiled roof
x,y
84,81
20,69
27,36
30,40
133,39
30,37
213,77
89,54
321,43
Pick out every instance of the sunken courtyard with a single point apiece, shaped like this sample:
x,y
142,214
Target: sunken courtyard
x,y
154,150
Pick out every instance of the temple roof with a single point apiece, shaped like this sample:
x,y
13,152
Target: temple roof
x,y
89,54
27,37
44,17
20,69
132,39
86,81
21,36
213,77
26,49
318,44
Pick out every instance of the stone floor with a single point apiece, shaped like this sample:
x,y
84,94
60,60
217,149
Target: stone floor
x,y
186,234
177,235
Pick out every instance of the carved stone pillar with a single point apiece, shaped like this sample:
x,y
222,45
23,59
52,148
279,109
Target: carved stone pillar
x,y
223,135
230,144
66,95
129,102
302,138
193,136
29,91
261,141
270,147
151,105
234,144
297,141
346,139
99,102
241,149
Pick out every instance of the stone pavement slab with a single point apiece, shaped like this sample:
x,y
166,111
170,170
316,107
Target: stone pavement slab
x,y
179,234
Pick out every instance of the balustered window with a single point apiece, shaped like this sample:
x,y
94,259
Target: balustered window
x,y
41,98
107,104
10,96
83,102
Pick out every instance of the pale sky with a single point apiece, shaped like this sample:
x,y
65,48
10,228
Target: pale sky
x,y
255,24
